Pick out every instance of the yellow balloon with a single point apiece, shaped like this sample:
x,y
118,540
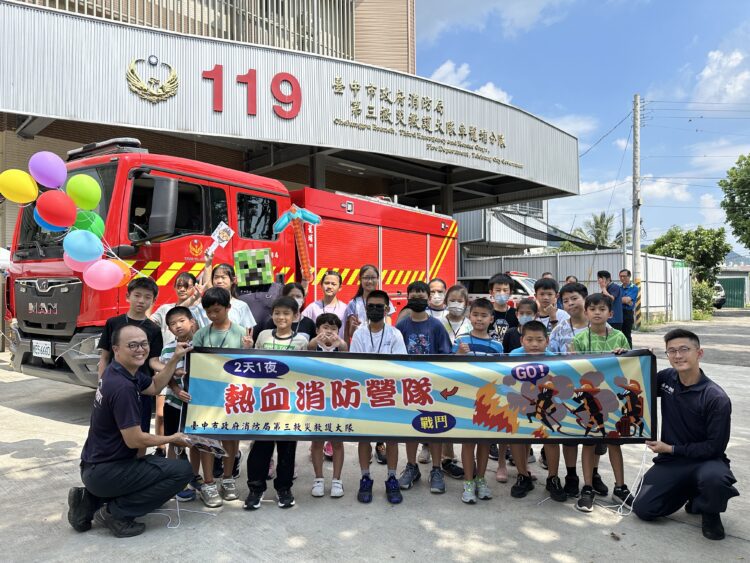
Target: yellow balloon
x,y
18,186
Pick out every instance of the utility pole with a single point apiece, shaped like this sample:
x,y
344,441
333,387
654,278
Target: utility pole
x,y
637,267
624,238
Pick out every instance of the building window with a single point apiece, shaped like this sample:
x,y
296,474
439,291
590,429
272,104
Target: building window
x,y
255,216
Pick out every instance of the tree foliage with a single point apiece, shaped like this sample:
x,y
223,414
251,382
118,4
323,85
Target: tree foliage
x,y
703,249
598,231
736,202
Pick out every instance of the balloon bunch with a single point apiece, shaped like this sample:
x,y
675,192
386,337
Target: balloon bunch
x,y
68,208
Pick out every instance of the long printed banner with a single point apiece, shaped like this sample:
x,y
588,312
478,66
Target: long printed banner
x,y
253,394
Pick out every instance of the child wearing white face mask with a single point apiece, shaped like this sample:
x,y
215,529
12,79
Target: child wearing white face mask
x,y
436,305
455,321
527,310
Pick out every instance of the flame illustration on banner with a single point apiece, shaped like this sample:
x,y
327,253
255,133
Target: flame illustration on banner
x,y
540,433
488,411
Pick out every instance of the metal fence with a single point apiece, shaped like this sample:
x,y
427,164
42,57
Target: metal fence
x,y
324,27
660,292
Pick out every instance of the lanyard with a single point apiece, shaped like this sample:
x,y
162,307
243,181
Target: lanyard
x,y
606,336
291,340
210,343
455,330
372,342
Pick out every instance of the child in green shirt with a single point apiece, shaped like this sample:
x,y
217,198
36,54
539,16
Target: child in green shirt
x,y
601,338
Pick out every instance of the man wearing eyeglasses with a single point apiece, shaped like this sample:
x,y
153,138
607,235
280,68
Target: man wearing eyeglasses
x,y
110,469
691,467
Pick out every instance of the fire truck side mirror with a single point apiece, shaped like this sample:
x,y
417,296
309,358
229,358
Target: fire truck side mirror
x,y
164,208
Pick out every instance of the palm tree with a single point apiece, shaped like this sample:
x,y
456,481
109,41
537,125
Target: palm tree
x,y
597,230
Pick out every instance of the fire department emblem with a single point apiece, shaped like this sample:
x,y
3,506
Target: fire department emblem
x,y
153,90
195,247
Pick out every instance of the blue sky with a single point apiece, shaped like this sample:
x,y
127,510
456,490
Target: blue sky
x,y
577,63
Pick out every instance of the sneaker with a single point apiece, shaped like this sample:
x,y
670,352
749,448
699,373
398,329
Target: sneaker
x,y
452,469
337,488
622,495
365,490
483,491
253,500
237,465
318,488
437,481
285,498
470,492
81,508
393,490
501,475
210,495
409,476
380,453
555,489
532,458
523,485
328,450
586,502
509,459
186,495
571,486
494,453
120,528
424,454
196,482
543,460
712,527
271,470
229,489
599,487
218,467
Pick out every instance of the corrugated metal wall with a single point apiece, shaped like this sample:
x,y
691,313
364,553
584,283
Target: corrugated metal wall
x,y
657,299
325,27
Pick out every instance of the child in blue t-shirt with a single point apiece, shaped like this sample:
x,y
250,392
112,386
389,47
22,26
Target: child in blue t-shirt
x,y
477,343
423,334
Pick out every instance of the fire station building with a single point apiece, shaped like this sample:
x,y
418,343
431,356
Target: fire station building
x,y
311,92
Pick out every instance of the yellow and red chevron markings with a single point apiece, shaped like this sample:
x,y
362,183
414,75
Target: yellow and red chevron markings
x,y
164,276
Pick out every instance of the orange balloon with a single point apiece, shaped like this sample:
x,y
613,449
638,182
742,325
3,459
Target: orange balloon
x,y
125,270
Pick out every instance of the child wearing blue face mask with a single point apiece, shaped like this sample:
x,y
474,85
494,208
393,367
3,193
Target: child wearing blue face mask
x,y
504,315
527,311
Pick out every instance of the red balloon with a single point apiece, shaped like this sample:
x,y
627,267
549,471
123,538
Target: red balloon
x,y
56,208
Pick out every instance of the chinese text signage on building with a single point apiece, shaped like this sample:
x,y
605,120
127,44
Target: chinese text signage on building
x,y
254,394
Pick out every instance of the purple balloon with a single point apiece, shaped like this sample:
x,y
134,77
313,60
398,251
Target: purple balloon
x,y
48,169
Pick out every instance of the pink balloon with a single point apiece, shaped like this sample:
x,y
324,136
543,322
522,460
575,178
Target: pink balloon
x,y
75,265
103,275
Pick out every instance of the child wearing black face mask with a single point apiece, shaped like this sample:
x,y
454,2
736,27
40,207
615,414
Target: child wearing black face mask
x,y
377,337
423,334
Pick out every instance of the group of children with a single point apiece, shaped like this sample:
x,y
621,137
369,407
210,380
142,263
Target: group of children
x,y
435,320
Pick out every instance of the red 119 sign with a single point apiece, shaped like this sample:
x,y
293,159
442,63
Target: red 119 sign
x,y
292,102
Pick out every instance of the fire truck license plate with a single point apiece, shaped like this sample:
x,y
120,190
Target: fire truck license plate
x,y
41,349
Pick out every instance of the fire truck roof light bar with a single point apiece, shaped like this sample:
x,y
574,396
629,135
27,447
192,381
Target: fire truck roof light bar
x,y
111,146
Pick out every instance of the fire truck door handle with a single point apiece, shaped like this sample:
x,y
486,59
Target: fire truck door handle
x,y
349,207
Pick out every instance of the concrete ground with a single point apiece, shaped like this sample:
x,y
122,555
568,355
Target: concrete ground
x,y
44,426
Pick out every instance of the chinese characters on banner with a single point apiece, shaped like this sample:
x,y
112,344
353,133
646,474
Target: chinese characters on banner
x,y
252,394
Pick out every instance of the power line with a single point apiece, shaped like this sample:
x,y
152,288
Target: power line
x,y
691,156
701,131
584,153
698,103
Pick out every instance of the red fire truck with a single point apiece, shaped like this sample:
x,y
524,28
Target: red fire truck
x,y
159,212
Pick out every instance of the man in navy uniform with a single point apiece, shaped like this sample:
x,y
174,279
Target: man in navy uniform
x,y
629,299
112,473
691,467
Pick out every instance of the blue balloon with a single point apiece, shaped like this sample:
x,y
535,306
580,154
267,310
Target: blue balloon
x,y
83,246
46,226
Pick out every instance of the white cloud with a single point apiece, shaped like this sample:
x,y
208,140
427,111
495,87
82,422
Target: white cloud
x,y
711,211
578,125
664,189
458,75
620,143
725,78
495,92
435,17
449,73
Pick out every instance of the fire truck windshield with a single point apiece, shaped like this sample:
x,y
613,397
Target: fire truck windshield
x,y
34,243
